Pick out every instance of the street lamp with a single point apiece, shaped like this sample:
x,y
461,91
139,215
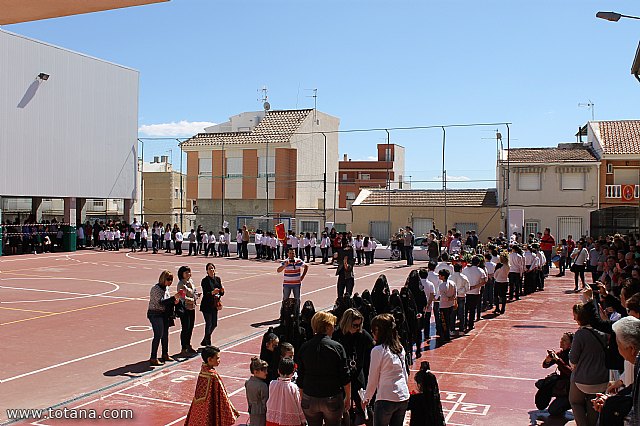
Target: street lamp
x,y
614,16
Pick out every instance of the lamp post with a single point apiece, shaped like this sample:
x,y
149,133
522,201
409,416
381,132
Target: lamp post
x,y
614,16
141,182
324,183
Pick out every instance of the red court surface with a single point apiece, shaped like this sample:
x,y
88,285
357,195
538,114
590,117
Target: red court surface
x,y
75,334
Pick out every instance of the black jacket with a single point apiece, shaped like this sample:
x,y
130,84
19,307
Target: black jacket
x,y
209,301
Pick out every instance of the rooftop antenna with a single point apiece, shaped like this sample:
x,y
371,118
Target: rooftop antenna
x,y
264,98
591,106
315,104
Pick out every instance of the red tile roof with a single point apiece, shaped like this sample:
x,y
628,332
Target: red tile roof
x,y
620,136
551,155
431,197
275,127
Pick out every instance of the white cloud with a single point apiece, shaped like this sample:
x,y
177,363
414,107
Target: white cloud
x,y
181,128
453,178
369,158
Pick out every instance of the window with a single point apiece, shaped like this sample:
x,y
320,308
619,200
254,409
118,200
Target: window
x,y
264,164
365,176
609,168
531,227
310,226
204,166
625,176
234,167
529,181
387,155
344,176
98,203
569,225
573,181
351,195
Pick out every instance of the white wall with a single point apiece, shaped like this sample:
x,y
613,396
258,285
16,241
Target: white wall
x,y
311,160
74,135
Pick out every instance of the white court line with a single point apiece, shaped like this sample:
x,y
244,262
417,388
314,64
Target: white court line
x,y
106,351
455,373
237,391
238,353
154,399
176,421
41,256
83,295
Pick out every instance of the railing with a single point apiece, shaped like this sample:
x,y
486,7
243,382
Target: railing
x,y
615,191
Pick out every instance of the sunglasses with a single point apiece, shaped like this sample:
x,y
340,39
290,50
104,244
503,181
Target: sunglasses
x,y
356,324
168,279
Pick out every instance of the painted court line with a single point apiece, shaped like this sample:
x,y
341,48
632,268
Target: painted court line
x,y
176,421
63,312
106,351
25,310
148,398
83,295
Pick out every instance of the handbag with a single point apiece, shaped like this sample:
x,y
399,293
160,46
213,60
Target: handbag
x,y
573,268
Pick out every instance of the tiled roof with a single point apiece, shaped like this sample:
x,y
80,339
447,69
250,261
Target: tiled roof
x,y
551,155
620,137
276,126
431,197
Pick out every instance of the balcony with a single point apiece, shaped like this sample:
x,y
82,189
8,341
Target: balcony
x,y
615,192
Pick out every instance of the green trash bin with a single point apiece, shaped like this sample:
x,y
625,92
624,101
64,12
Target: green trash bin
x,y
69,238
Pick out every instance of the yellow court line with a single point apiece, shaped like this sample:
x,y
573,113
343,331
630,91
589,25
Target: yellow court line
x,y
27,310
64,312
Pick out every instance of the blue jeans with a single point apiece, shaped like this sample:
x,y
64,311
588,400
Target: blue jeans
x,y
160,326
488,293
287,289
436,316
409,255
329,409
210,324
388,413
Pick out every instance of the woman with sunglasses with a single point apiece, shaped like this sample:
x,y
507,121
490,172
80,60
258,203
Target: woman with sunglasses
x,y
161,313
212,291
357,343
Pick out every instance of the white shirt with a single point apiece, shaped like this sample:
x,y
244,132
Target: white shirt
x,y
428,290
435,281
205,238
516,263
475,276
455,246
179,237
167,236
528,258
143,233
357,244
325,242
239,237
313,241
501,275
273,241
447,294
294,241
258,238
490,268
306,242
444,265
580,256
461,282
387,376
118,235
373,244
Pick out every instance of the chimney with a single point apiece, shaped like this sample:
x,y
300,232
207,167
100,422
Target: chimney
x,y
156,159
164,159
345,157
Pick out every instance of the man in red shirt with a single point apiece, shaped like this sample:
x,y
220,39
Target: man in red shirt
x,y
547,243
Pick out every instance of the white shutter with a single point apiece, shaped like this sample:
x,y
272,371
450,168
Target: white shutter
x,y
529,181
572,181
421,226
624,176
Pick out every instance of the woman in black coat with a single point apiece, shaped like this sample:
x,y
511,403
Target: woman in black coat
x,y
380,295
212,291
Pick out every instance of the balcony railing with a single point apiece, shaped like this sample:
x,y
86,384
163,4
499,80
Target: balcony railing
x,y
615,191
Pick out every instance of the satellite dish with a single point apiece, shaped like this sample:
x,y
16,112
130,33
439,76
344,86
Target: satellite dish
x,y
267,106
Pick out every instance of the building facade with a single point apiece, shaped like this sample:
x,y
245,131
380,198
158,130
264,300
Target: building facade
x,y
261,168
617,145
385,172
376,212
164,195
554,188
72,120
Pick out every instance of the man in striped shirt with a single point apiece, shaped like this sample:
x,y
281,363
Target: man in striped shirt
x,y
294,272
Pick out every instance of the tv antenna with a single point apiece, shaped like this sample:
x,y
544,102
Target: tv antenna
x,y
263,97
590,105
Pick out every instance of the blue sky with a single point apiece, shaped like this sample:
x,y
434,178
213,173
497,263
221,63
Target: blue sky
x,y
376,64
